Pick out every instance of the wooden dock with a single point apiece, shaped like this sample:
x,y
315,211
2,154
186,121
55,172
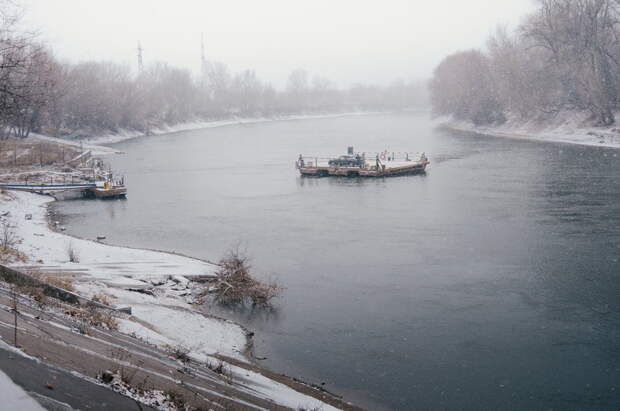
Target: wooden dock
x,y
48,188
86,189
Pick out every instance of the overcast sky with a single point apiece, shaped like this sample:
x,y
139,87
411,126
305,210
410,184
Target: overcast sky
x,y
347,41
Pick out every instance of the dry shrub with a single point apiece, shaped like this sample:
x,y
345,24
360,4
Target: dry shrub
x,y
127,374
61,282
37,294
102,318
8,237
235,284
176,399
11,255
8,241
95,317
180,353
101,298
72,253
56,280
83,326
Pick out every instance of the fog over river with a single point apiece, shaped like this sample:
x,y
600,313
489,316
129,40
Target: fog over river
x,y
490,282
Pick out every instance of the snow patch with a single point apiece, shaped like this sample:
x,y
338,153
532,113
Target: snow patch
x,y
14,397
565,127
202,124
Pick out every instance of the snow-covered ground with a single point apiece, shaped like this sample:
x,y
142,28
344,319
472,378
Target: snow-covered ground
x,y
95,149
100,261
112,270
14,397
565,127
94,143
165,318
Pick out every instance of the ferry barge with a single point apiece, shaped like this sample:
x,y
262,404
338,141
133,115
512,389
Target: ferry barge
x,y
108,189
384,164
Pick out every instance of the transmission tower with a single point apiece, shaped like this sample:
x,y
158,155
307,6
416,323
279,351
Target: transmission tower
x,y
140,64
203,59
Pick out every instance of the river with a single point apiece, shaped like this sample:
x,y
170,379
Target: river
x,y
492,282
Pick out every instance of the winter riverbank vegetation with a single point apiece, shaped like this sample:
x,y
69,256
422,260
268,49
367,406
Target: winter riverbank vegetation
x,y
43,94
565,57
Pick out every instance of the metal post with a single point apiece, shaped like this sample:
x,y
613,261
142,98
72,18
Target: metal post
x,y
14,315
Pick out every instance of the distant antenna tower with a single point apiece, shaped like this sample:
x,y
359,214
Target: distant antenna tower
x,y
140,64
203,59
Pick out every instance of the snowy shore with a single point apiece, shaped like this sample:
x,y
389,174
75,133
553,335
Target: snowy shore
x,y
97,144
112,271
566,127
164,316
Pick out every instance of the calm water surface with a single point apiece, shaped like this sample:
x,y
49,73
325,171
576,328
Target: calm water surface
x,y
490,283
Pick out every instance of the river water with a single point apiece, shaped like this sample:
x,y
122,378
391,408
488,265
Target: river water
x,y
492,282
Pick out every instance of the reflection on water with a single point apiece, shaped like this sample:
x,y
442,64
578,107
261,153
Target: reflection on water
x,y
491,282
247,312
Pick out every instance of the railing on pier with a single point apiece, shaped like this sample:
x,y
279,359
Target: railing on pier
x,y
370,158
48,187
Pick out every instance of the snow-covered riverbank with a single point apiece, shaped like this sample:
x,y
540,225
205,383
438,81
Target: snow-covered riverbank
x,y
112,271
97,143
164,316
568,127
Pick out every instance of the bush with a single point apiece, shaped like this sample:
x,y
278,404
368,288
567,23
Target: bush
x,y
180,353
8,238
101,298
235,284
56,279
101,318
72,253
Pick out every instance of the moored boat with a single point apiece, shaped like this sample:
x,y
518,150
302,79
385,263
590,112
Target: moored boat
x,y
383,164
109,189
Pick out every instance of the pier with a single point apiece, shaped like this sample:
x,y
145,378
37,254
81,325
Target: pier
x,y
105,190
83,174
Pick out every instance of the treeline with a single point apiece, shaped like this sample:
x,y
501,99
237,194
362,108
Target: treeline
x,y
39,93
565,56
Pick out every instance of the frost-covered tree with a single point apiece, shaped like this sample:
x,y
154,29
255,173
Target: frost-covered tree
x,y
463,86
40,93
581,39
565,56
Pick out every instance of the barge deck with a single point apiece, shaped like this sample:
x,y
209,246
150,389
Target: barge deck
x,y
356,165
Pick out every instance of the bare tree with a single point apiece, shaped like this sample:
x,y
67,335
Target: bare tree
x,y
463,86
297,90
8,237
582,40
565,56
